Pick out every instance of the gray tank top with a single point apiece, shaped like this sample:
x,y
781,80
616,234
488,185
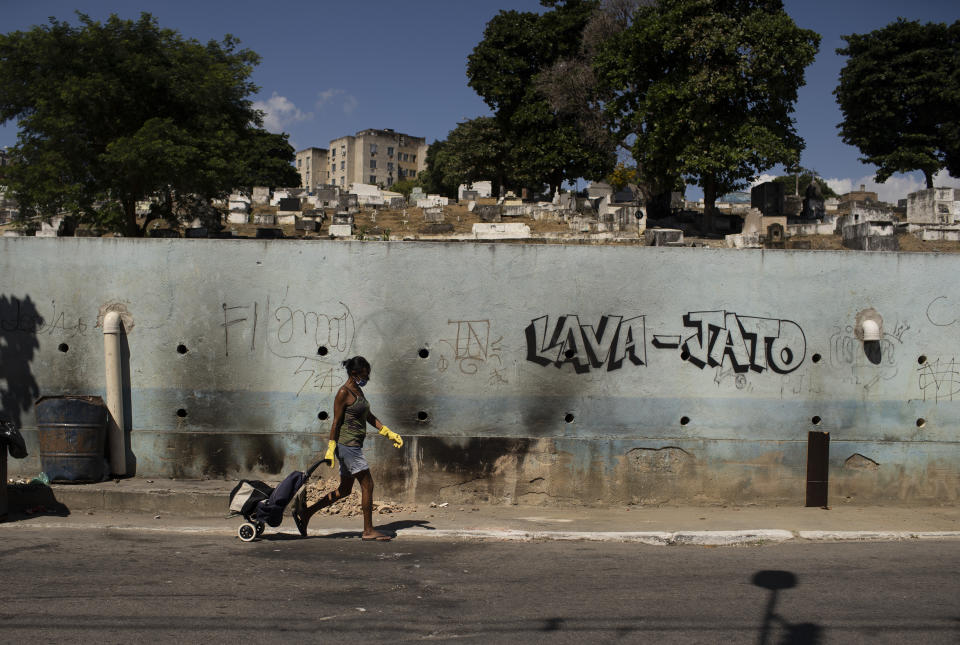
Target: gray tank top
x,y
354,428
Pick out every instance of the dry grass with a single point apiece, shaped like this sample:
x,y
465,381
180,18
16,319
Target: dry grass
x,y
376,223
912,244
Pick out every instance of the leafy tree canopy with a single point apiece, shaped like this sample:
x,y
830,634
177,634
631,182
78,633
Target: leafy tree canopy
x,y
622,176
545,145
799,183
706,89
405,186
115,112
473,151
899,93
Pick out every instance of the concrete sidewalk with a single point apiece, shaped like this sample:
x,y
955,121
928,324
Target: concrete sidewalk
x,y
202,506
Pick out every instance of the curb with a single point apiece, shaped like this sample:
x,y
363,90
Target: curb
x,y
191,503
875,536
753,537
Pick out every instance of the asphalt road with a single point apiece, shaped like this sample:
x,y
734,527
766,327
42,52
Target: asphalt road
x,y
118,586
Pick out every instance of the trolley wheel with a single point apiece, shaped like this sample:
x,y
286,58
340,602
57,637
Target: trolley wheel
x,y
260,528
247,532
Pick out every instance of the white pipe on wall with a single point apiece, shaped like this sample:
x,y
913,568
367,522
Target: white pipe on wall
x,y
112,328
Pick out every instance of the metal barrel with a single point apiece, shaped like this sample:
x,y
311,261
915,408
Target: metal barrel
x,y
72,432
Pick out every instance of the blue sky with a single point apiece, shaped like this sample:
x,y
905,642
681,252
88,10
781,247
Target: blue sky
x,y
330,68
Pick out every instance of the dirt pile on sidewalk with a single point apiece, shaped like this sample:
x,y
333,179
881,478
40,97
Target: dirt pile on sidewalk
x,y
350,505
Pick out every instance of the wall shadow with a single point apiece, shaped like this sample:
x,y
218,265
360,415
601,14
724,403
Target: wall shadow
x,y
19,323
125,387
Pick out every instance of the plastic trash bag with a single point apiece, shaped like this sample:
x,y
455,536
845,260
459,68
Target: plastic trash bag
x,y
13,440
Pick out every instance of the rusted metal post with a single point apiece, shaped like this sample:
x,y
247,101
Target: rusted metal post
x,y
818,457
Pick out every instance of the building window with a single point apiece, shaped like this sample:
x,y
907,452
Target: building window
x,y
342,164
299,162
401,140
333,152
413,158
373,148
390,151
373,179
373,164
389,166
389,181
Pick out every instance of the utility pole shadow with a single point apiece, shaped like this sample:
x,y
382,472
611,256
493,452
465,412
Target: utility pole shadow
x,y
792,633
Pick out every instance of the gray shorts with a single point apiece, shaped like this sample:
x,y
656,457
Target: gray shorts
x,y
351,460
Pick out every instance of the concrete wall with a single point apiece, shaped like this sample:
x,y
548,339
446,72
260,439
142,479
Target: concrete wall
x,y
533,373
934,206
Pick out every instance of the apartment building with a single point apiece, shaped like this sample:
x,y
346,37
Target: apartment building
x,y
381,157
312,167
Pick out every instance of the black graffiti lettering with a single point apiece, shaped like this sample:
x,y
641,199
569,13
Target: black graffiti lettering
x,y
748,343
599,342
313,328
568,335
583,346
630,343
697,347
228,322
537,348
786,350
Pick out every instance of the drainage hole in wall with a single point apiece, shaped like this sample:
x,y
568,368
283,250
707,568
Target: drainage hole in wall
x,y
569,418
323,415
63,347
181,413
422,416
921,359
322,350
816,420
684,420
921,423
423,353
816,358
182,349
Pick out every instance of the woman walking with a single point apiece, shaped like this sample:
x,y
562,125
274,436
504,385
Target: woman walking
x,y
351,414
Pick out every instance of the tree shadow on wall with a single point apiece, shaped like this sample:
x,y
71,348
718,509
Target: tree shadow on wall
x,y
19,323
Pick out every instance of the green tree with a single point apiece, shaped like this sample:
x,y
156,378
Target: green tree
x,y
266,160
473,151
622,176
437,178
117,112
798,184
405,186
546,146
705,90
899,93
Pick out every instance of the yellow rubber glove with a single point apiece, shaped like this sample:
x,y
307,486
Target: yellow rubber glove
x,y
392,436
331,456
